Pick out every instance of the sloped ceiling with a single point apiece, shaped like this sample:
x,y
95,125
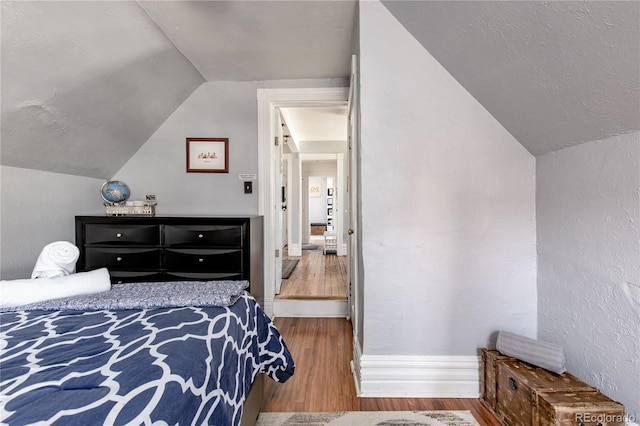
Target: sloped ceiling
x,y
555,73
317,124
260,40
86,83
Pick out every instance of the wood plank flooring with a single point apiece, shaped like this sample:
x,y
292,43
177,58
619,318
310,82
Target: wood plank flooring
x,y
317,276
322,350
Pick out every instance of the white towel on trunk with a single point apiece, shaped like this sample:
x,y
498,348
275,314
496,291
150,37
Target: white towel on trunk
x,y
57,259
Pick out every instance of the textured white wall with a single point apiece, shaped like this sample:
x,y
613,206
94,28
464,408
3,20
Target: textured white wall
x,y
39,208
215,109
448,205
588,214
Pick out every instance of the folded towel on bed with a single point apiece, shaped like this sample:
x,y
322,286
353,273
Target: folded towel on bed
x,y
22,292
56,259
543,354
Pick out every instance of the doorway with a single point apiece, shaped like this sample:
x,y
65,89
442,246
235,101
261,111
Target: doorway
x,y
317,271
271,103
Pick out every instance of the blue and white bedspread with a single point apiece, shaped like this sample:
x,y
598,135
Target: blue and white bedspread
x,y
161,366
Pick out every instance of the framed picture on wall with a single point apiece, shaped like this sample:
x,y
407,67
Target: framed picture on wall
x,y
329,212
329,201
315,189
207,155
330,192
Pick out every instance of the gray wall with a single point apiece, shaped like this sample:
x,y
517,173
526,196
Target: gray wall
x,y
588,213
448,205
215,109
39,208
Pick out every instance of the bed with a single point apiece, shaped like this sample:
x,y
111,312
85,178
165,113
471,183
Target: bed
x,y
149,353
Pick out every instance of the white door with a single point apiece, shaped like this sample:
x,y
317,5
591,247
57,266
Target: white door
x,y
352,188
278,171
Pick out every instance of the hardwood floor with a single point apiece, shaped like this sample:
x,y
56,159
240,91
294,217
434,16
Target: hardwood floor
x,y
322,351
317,276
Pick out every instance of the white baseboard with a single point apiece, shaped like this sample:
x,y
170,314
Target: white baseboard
x,y
342,250
310,308
267,307
294,250
383,376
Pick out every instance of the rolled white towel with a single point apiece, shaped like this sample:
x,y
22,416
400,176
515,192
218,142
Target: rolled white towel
x,y
537,352
56,259
23,292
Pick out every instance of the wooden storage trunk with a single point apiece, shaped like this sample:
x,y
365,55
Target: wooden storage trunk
x,y
520,394
489,375
519,385
577,408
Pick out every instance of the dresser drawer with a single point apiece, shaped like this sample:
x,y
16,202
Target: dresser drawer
x,y
120,277
202,276
122,234
212,260
203,235
123,258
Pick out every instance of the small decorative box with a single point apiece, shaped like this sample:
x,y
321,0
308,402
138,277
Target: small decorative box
x,y
124,210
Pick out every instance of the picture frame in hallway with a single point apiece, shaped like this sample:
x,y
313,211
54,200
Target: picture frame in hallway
x,y
330,192
207,155
329,201
315,189
330,211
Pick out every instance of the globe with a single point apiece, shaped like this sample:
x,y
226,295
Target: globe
x,y
115,191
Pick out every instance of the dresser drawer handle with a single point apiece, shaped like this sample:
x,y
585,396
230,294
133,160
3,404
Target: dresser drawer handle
x,y
118,259
118,235
513,384
200,236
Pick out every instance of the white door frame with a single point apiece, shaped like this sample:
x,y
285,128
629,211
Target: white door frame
x,y
269,100
277,182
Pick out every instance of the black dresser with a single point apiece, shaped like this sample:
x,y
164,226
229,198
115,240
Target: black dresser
x,y
177,248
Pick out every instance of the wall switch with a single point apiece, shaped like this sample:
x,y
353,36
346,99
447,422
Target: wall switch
x,y
248,187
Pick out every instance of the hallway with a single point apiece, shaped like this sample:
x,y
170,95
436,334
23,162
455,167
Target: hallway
x,y
317,276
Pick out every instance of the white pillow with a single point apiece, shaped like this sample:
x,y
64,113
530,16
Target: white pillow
x,y
22,292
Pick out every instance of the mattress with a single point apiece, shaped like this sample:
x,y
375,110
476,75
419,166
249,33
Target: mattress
x,y
190,365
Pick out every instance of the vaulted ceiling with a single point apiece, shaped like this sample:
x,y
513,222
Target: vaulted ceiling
x,y
85,84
